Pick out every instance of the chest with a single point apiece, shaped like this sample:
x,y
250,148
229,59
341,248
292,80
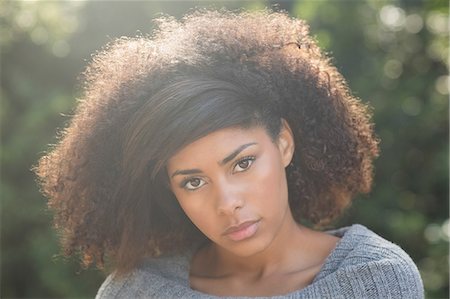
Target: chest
x,y
273,285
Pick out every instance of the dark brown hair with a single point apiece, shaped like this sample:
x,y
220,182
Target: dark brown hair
x,y
147,97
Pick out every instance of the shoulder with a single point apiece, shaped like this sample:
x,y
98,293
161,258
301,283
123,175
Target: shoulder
x,y
359,244
374,267
153,278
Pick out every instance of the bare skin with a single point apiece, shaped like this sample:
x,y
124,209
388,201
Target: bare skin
x,y
290,268
235,178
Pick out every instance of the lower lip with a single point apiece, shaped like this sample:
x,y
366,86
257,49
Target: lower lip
x,y
245,233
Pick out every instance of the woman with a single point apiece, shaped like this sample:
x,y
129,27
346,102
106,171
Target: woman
x,y
199,158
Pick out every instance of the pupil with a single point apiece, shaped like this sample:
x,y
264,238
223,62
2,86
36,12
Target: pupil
x,y
243,164
195,182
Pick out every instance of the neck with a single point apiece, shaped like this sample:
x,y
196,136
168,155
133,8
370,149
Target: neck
x,y
289,262
287,246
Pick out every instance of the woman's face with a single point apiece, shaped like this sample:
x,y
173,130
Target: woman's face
x,y
232,185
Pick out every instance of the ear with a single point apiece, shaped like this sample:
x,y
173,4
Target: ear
x,y
286,143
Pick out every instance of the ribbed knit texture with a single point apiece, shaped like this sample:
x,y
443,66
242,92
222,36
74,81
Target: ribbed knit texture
x,y
363,265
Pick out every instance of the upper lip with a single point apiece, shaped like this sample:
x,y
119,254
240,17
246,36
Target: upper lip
x,y
238,227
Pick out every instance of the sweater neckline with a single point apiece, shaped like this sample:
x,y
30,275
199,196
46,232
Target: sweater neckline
x,y
343,233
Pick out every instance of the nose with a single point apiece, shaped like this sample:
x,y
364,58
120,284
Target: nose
x,y
229,198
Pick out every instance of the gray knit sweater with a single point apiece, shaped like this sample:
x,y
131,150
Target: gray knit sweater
x,y
363,265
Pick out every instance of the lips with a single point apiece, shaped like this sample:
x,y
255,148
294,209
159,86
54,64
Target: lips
x,y
242,231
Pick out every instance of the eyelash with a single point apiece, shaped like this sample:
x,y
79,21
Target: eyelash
x,y
251,159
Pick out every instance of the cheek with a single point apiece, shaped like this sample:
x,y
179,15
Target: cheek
x,y
270,198
269,183
198,213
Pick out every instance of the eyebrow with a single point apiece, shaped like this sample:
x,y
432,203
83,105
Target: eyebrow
x,y
186,171
235,153
223,162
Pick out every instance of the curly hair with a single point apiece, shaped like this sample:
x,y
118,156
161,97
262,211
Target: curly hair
x,y
147,97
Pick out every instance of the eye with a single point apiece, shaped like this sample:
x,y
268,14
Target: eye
x,y
243,164
192,184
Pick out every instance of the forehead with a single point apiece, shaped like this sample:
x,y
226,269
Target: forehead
x,y
218,145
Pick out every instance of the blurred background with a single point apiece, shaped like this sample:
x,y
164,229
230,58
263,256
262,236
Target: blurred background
x,y
394,55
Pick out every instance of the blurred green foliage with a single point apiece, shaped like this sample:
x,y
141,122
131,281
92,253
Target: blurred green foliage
x,y
393,54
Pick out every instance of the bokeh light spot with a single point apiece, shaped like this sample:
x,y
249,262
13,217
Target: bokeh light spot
x,y
60,48
437,23
39,35
442,85
392,17
25,19
433,233
446,230
393,68
413,23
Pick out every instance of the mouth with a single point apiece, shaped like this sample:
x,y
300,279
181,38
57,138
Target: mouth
x,y
242,231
